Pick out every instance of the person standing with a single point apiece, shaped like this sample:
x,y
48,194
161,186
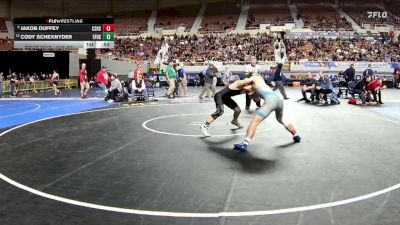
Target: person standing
x,y
84,81
182,80
349,74
368,71
171,78
397,78
54,82
227,74
252,70
278,81
102,80
131,76
138,71
1,84
208,80
272,103
13,84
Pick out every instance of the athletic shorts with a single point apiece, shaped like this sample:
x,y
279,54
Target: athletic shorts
x,y
271,104
224,97
84,85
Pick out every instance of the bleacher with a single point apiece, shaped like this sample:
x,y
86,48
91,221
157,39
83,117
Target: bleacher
x,y
220,16
6,44
171,18
3,26
322,17
275,14
359,14
132,24
394,9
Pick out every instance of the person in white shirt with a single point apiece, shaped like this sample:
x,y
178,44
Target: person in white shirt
x,y
139,86
252,69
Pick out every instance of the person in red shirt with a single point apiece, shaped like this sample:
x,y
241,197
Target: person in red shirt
x,y
103,80
84,81
374,87
397,77
138,72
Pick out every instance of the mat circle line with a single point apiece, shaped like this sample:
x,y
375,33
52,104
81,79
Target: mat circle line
x,y
144,125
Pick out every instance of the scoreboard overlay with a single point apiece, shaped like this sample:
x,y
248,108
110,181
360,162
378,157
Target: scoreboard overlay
x,y
45,33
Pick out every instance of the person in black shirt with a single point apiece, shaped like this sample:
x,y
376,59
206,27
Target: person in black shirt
x,y
278,81
359,89
309,86
350,73
13,84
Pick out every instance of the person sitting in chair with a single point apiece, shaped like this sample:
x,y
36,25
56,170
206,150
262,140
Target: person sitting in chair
x,y
114,90
325,87
309,86
139,87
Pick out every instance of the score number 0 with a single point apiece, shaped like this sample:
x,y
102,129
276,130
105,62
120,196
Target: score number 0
x,y
108,27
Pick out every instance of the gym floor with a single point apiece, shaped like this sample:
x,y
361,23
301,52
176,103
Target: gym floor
x,y
96,163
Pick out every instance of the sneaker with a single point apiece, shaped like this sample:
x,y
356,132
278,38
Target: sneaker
x,y
240,147
204,129
297,139
110,101
200,97
236,123
286,98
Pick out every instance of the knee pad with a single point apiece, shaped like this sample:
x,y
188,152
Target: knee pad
x,y
219,112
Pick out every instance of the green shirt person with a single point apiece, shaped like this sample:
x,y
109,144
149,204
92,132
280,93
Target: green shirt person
x,y
171,77
171,73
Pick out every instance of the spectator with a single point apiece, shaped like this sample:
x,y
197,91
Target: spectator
x,y
102,80
278,81
226,76
114,90
138,71
1,84
84,81
139,86
54,82
13,84
252,70
397,78
309,86
131,77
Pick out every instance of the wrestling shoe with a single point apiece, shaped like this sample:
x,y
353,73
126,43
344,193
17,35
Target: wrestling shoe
x,y
297,139
204,129
240,147
236,123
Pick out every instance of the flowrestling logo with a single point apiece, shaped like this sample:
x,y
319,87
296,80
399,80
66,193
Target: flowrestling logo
x,y
377,15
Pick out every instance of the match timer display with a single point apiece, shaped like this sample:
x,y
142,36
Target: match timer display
x,y
45,33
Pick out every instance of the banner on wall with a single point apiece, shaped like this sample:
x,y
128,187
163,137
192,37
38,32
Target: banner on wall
x,y
320,64
374,65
